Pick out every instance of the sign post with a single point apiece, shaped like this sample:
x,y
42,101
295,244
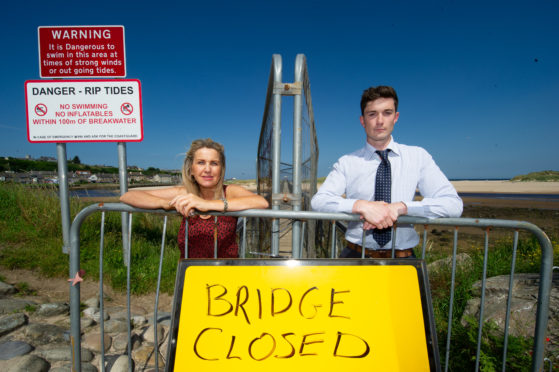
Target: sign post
x,y
83,111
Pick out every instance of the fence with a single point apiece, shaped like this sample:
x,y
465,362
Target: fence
x,y
334,242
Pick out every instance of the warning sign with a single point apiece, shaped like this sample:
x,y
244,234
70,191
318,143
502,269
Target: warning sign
x,y
84,111
81,51
304,315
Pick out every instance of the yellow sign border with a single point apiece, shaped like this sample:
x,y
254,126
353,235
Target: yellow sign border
x,y
388,348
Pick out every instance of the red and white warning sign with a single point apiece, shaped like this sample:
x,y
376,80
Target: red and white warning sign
x,y
81,51
84,110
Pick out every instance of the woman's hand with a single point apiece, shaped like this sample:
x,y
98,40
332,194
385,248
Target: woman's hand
x,y
186,204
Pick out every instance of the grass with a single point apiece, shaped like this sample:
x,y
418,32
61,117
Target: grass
x,y
24,289
31,238
543,176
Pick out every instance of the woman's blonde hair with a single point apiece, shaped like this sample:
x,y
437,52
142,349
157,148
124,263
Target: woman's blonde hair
x,y
188,179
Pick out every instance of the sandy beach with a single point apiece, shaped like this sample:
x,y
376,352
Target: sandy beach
x,y
498,187
472,186
507,187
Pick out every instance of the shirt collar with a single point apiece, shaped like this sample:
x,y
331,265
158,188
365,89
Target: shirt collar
x,y
370,151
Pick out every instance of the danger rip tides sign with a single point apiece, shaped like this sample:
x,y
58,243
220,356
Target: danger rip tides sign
x,y
84,111
81,51
281,318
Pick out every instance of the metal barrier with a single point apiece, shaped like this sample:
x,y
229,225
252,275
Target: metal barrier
x,y
288,184
546,268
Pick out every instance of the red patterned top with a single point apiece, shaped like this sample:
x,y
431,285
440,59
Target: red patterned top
x,y
201,237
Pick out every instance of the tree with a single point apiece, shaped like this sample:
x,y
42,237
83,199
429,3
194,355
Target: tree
x,y
76,160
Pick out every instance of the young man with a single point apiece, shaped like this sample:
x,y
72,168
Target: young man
x,y
379,182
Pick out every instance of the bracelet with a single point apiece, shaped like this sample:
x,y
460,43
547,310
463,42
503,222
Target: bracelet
x,y
225,204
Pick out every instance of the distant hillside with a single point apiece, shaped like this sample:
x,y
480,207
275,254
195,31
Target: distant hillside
x,y
27,165
545,176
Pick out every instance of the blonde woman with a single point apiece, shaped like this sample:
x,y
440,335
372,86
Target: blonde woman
x,y
203,190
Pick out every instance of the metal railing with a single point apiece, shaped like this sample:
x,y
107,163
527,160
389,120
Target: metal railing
x,y
546,267
288,184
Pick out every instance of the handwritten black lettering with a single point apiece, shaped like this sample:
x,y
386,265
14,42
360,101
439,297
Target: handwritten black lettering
x,y
274,311
260,339
240,304
304,343
220,297
338,341
301,304
332,303
198,339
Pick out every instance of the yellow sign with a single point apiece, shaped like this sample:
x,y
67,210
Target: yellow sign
x,y
292,317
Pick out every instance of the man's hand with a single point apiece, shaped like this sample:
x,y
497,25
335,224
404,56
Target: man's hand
x,y
378,214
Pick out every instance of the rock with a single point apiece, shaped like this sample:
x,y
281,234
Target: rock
x,y
85,367
463,261
122,312
139,321
10,305
92,302
9,323
84,323
145,357
29,363
120,342
92,341
52,309
164,347
523,305
62,352
121,364
12,349
149,335
163,318
115,326
41,334
6,289
95,314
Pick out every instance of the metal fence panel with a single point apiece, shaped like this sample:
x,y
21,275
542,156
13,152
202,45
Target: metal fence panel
x,y
546,264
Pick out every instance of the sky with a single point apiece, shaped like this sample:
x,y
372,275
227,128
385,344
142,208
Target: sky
x,y
478,81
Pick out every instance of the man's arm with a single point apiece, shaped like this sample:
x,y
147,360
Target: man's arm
x,y
440,198
329,198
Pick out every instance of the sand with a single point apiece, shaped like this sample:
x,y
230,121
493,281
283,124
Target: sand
x,y
469,186
507,187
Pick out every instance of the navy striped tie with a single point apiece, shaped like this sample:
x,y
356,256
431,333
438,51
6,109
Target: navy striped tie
x,y
383,183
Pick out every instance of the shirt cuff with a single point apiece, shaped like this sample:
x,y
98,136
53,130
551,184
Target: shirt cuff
x,y
346,205
415,208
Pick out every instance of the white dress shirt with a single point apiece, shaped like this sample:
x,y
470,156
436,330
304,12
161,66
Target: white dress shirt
x,y
412,168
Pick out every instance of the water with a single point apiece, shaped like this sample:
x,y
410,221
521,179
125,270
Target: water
x,y
81,193
507,196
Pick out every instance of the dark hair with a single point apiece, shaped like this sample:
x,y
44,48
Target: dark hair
x,y
188,180
374,93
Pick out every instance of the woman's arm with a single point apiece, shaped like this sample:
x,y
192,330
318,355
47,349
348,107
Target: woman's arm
x,y
152,199
239,198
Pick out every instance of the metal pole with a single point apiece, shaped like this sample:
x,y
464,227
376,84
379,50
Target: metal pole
x,y
276,152
297,118
75,326
123,179
64,197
